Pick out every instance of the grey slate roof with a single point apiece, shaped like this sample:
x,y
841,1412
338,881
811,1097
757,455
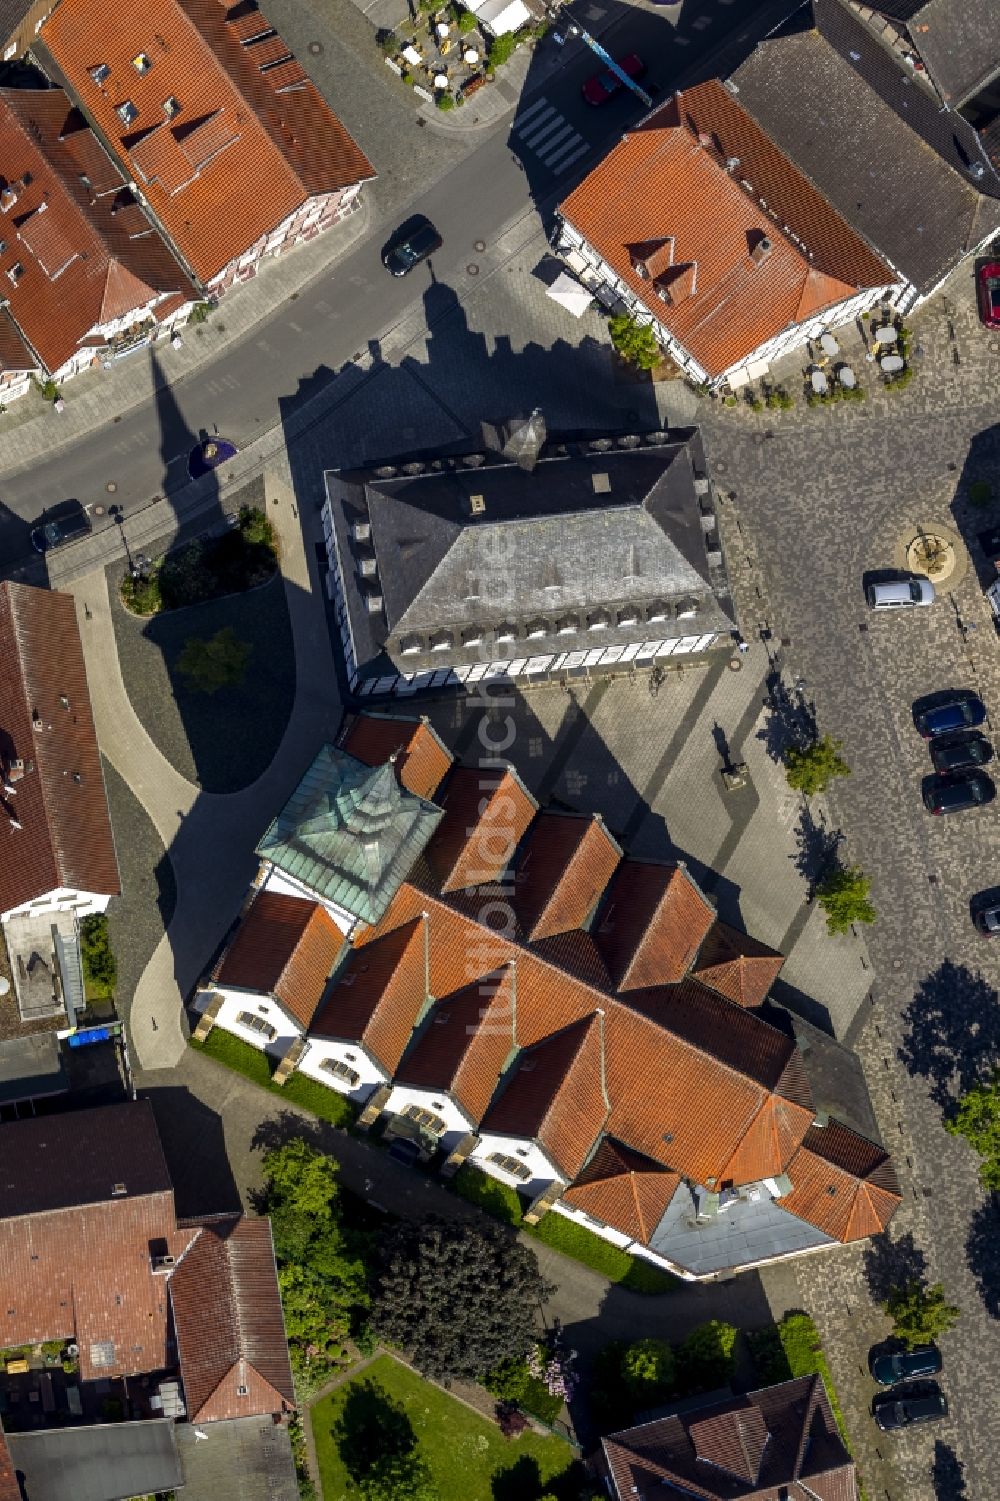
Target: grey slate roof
x,y
958,41
872,138
736,1237
590,528
350,833
103,1462
239,1459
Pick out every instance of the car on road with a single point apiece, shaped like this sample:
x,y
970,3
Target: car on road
x,y
956,793
410,245
904,1365
960,710
956,752
60,524
924,1402
899,594
988,293
985,911
599,88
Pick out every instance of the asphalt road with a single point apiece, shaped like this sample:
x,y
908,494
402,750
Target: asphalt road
x,y
356,305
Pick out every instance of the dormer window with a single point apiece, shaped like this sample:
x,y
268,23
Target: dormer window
x,y
535,629
628,616
127,112
473,636
409,646
441,641
599,621
568,625
142,63
506,633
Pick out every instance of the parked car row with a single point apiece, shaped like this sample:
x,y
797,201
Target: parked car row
x,y
956,754
912,1398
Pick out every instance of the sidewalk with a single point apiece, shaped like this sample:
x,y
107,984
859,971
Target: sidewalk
x,y
94,398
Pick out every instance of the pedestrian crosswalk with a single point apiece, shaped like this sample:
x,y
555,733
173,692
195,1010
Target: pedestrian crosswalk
x,y
544,131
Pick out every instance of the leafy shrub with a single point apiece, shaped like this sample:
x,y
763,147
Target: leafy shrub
x,y
100,971
647,1370
510,1420
502,49
513,1384
489,1193
445,101
900,381
466,21
843,895
635,342
142,595
199,312
705,1360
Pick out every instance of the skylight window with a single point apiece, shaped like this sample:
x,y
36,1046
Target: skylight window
x,y
142,63
171,107
127,112
100,74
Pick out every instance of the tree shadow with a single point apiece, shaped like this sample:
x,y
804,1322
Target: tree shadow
x,y
947,1474
982,1252
372,1427
892,1263
791,718
816,847
952,1036
522,1481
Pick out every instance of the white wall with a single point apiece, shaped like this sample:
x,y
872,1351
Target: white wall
x,y
62,899
457,1123
542,1170
371,1074
624,1242
264,1006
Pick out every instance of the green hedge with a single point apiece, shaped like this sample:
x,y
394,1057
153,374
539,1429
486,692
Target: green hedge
x,y
489,1193
257,1066
100,970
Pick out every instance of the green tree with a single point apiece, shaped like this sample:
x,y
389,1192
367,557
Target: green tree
x,y
843,895
635,342
648,1368
919,1314
220,661
100,970
460,1297
706,1358
813,769
977,1118
399,1477
502,49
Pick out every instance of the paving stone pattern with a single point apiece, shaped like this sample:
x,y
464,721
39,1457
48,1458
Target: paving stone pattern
x,y
827,497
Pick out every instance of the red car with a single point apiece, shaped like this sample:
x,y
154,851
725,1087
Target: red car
x,y
988,288
599,89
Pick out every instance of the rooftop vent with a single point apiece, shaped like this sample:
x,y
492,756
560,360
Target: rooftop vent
x,y
171,106
361,531
367,567
373,603
8,198
761,250
732,163
601,483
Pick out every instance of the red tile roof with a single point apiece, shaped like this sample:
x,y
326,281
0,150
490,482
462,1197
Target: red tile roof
x,y
285,947
556,1095
87,252
667,181
229,1323
379,994
737,966
14,352
842,1183
422,761
65,835
10,1489
252,139
565,864
486,812
651,924
466,1041
623,1189
780,1441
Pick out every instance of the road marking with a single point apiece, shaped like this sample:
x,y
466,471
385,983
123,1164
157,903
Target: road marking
x,y
531,110
700,22
557,171
549,135
548,150
538,127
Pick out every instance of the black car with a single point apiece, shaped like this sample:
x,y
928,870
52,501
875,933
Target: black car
x,y
986,918
956,752
413,244
953,794
905,1365
405,1151
960,711
61,524
923,1403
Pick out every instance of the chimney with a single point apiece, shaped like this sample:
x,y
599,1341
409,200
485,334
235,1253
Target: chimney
x,y
761,250
704,139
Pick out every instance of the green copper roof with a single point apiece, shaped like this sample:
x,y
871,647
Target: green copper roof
x,y
350,833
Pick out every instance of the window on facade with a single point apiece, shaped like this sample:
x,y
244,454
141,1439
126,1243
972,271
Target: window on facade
x,y
257,1024
441,641
341,1071
510,1165
535,629
425,1118
506,633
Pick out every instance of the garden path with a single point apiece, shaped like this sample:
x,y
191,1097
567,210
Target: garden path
x,y
209,837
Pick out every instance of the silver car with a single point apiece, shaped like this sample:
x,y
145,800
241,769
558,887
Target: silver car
x,y
900,594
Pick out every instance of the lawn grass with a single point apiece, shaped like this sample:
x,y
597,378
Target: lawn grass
x,y
563,1234
255,1065
468,1458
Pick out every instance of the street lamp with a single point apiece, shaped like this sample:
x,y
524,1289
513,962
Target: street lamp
x,y
136,566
